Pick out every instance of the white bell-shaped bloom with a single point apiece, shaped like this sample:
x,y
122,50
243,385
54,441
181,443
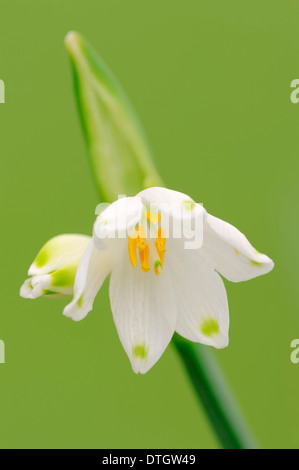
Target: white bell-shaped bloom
x,y
165,254
53,271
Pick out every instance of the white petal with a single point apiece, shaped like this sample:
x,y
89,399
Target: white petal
x,y
93,268
38,286
58,252
61,280
181,217
26,290
144,312
201,297
178,204
231,253
163,195
118,220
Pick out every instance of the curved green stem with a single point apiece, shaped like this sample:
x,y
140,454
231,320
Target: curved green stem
x,y
214,395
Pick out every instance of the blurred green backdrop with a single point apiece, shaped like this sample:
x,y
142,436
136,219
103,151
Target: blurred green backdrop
x,y
211,83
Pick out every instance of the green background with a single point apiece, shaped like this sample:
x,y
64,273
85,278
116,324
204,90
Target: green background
x,y
211,83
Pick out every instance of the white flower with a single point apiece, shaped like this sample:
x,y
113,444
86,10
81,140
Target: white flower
x,y
53,271
169,288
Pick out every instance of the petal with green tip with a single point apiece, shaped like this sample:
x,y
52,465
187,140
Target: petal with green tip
x,y
144,311
59,252
231,253
201,298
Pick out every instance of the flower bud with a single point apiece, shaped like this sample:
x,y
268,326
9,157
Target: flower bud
x,y
53,271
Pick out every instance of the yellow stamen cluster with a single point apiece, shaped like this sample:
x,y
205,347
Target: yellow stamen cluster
x,y
147,247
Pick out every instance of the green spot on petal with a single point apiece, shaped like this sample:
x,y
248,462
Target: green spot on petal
x,y
49,292
140,352
64,277
188,205
42,258
209,327
158,264
80,301
255,263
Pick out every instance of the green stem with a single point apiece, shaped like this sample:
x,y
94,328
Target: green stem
x,y
214,395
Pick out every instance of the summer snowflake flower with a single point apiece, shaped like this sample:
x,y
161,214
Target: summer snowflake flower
x,y
165,254
161,281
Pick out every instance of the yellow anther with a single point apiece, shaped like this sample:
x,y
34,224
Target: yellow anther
x,y
132,243
141,243
160,244
161,238
153,217
161,256
155,256
147,248
144,259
